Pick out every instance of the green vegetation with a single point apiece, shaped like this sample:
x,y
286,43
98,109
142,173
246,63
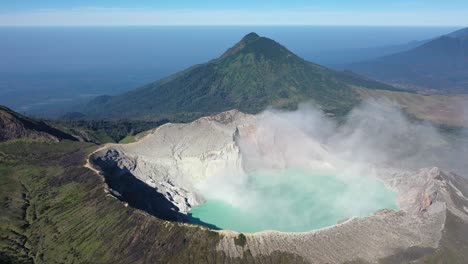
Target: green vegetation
x,y
99,131
254,74
54,210
127,139
14,125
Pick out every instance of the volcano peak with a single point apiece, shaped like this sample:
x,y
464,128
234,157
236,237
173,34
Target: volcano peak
x,y
252,36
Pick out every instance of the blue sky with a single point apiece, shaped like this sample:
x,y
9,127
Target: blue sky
x,y
239,12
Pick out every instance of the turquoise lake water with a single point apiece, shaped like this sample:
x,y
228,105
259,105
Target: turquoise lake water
x,y
295,201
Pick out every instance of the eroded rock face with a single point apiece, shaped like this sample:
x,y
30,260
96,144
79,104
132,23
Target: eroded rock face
x,y
174,158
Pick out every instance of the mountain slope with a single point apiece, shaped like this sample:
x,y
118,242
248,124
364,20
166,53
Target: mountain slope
x,y
440,65
16,126
255,73
462,33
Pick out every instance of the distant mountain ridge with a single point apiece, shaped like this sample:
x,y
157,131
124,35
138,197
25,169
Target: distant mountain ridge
x,y
462,33
255,73
440,65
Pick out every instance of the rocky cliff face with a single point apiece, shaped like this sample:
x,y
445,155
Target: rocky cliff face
x,y
179,160
175,158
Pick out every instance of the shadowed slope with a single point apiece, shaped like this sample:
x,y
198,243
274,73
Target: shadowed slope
x,y
441,65
16,126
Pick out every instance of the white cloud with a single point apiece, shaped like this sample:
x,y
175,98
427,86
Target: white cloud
x,y
96,16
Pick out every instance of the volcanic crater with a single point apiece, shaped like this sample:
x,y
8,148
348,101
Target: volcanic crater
x,y
176,169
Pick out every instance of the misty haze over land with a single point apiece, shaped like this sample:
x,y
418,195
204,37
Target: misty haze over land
x,y
88,61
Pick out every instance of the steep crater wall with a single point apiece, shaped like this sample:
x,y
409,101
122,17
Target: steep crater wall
x,y
164,172
171,160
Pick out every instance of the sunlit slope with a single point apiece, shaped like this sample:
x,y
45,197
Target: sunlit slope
x,y
255,73
438,109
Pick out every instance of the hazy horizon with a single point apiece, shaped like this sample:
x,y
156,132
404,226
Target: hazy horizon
x,y
243,12
44,66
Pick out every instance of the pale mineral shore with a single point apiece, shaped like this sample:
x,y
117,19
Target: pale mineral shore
x,y
175,158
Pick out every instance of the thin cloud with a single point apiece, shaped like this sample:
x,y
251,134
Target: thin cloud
x,y
99,16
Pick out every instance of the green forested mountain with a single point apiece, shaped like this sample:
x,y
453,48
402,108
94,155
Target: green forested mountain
x,y
440,65
255,73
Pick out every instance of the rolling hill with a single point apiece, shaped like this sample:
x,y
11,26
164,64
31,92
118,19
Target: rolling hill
x,y
440,65
255,73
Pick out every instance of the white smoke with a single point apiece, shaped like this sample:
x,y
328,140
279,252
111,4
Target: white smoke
x,y
377,132
375,135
